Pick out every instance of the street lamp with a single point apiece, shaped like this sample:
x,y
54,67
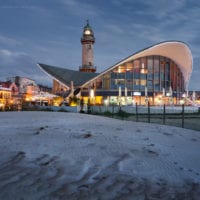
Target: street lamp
x,y
120,94
146,96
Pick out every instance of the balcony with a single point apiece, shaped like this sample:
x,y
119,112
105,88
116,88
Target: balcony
x,y
87,68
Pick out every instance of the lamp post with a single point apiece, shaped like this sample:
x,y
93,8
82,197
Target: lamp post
x,y
146,95
92,95
170,95
119,95
144,71
193,97
163,95
183,100
125,94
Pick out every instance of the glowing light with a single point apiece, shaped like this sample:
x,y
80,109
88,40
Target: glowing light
x,y
106,102
92,93
184,95
182,101
137,93
143,70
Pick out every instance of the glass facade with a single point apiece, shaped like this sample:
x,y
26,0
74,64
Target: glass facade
x,y
149,76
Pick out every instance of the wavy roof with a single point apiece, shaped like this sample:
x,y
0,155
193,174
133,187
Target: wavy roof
x,y
177,51
65,76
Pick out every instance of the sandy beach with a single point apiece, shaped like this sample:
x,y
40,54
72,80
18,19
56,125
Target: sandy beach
x,y
54,155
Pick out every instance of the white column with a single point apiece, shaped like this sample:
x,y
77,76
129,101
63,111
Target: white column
x,y
146,92
125,92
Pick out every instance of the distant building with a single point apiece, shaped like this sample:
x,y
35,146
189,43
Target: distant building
x,y
5,98
24,84
43,88
9,95
21,90
10,85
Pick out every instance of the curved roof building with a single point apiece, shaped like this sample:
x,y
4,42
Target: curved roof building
x,y
177,51
160,70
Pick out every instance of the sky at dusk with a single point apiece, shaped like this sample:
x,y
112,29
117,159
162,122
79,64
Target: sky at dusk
x,y
49,32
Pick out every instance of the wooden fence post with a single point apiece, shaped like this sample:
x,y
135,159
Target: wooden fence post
x,y
148,112
183,112
112,109
136,112
164,114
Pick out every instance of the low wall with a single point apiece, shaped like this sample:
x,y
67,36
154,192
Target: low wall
x,y
144,109
128,109
60,108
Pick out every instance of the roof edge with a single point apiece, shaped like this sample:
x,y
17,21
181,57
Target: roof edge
x,y
51,76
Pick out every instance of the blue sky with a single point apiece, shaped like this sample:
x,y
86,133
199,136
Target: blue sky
x,y
49,31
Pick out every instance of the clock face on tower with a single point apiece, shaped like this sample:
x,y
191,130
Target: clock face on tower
x,y
87,32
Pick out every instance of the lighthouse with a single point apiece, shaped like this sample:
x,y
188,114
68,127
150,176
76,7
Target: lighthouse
x,y
87,41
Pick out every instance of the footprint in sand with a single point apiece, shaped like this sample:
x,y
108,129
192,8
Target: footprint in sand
x,y
85,135
194,139
152,152
167,134
119,129
151,145
189,170
42,128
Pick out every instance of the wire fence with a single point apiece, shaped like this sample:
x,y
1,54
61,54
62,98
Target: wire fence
x,y
180,116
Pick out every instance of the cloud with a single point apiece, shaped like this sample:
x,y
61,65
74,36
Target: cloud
x,y
163,9
80,8
20,64
5,52
121,27
158,20
16,4
8,41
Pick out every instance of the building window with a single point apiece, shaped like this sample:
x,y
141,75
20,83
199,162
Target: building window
x,y
150,85
161,73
